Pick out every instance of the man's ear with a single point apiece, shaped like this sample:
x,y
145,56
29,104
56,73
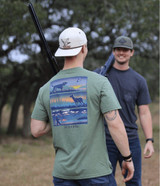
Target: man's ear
x,y
132,52
113,51
83,48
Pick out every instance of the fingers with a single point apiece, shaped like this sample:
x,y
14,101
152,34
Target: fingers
x,y
130,168
148,151
129,176
123,171
147,155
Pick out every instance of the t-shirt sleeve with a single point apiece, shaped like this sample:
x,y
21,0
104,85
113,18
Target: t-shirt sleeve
x,y
39,111
109,100
143,95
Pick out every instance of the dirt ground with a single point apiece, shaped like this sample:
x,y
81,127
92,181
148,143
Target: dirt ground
x,y
29,162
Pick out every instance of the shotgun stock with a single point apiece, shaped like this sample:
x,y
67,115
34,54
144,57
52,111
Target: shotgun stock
x,y
104,70
107,66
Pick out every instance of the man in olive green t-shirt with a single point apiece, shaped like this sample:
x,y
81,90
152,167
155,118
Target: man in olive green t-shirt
x,y
75,101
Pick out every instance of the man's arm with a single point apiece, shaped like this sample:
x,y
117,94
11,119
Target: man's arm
x,y
119,136
146,123
39,128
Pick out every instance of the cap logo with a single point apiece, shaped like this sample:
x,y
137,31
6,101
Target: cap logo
x,y
66,43
122,41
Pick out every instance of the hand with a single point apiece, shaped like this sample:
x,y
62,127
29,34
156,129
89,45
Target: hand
x,y
148,150
130,167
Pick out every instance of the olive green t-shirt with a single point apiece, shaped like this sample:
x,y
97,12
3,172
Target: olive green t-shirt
x,y
74,102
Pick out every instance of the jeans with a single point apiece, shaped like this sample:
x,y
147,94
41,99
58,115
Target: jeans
x,y
115,156
98,181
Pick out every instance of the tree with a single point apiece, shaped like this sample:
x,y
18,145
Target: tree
x,y
102,21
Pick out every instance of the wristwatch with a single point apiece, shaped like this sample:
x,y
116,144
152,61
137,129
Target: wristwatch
x,y
127,158
150,139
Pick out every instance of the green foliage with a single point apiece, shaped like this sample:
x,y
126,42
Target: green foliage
x,y
102,21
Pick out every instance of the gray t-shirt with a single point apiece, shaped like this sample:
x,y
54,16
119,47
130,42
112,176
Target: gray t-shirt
x,y
74,102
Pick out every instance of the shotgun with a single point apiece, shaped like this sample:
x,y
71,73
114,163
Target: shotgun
x,y
51,58
104,70
107,66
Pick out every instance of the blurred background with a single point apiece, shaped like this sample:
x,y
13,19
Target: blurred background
x,y
24,67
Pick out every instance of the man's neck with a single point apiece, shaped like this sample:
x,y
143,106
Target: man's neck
x,y
68,66
123,66
72,62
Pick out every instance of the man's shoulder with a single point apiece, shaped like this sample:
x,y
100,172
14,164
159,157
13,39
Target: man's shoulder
x,y
137,75
95,74
46,86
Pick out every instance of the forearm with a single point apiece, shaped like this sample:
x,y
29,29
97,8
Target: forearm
x,y
46,128
39,128
146,121
146,124
118,132
119,135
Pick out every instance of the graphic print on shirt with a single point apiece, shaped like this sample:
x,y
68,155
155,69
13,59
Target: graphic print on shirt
x,y
68,101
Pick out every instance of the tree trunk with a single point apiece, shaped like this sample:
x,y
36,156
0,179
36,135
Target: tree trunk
x,y
4,100
14,113
30,97
26,131
0,118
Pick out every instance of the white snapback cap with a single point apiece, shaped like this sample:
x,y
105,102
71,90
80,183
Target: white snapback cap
x,y
71,41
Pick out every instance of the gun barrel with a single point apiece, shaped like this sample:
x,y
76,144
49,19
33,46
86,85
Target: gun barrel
x,y
51,58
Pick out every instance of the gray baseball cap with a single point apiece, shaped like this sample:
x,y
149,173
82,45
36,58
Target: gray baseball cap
x,y
123,42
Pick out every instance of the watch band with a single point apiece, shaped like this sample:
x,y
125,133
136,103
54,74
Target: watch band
x,y
150,139
126,158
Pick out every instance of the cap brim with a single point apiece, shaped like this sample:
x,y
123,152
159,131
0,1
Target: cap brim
x,y
122,46
67,52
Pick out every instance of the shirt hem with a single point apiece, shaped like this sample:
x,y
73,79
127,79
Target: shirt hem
x,y
82,177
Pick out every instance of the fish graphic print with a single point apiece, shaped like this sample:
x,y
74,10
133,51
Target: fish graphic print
x,y
68,101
